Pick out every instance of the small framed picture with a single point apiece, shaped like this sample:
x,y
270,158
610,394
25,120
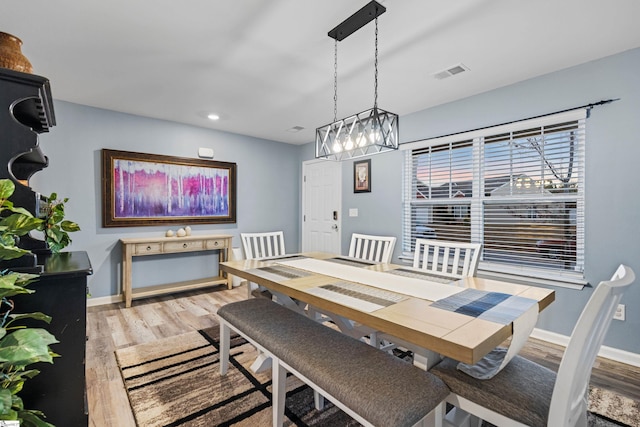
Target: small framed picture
x,y
362,176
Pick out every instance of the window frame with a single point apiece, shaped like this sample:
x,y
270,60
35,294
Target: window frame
x,y
527,274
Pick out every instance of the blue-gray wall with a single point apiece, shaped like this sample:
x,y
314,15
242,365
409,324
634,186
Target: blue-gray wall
x,y
269,173
612,164
267,176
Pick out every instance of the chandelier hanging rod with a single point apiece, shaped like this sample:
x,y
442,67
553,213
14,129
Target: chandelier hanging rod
x,y
358,20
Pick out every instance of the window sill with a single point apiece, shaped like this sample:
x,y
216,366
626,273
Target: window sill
x,y
531,280
525,276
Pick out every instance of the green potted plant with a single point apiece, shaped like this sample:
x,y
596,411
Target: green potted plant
x,y
20,346
55,228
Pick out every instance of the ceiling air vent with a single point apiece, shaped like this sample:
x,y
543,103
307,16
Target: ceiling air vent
x,y
451,71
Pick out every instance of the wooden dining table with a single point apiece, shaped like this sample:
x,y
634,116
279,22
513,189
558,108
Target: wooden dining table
x,y
420,314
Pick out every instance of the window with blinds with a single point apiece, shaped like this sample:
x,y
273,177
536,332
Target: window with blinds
x,y
518,189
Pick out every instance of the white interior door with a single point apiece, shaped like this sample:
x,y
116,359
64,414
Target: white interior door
x,y
321,201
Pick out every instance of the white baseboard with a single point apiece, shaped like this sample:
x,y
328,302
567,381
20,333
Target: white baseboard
x,y
111,299
611,353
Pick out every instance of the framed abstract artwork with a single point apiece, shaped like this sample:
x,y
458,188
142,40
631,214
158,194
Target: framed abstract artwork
x,y
141,189
362,176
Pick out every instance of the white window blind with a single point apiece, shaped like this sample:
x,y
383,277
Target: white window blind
x,y
518,189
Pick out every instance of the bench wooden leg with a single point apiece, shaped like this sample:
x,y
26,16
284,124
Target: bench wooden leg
x,y
318,400
439,413
225,344
279,382
433,418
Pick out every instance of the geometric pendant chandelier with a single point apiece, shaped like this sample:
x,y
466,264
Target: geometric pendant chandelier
x,y
370,132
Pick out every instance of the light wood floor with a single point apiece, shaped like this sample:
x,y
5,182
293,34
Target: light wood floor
x,y
111,327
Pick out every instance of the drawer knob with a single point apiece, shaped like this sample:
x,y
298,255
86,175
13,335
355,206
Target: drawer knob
x,y
215,243
148,248
184,245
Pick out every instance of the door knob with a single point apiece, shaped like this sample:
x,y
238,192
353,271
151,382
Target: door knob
x,y
334,226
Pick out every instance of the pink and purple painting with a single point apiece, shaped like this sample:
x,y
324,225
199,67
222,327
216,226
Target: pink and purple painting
x,y
145,189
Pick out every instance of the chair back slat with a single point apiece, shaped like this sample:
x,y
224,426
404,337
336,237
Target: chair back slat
x,y
452,259
372,248
263,245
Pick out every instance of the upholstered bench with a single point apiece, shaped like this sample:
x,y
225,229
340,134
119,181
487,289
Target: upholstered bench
x,y
372,386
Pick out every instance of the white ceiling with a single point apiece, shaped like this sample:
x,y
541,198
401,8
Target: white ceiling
x,y
267,66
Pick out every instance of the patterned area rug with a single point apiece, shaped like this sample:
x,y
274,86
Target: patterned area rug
x,y
614,407
176,382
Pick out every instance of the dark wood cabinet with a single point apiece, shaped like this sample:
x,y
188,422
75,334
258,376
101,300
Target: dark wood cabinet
x,y
61,292
26,111
59,391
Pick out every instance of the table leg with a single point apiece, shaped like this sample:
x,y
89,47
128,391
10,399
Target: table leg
x,y
423,358
289,302
126,275
223,255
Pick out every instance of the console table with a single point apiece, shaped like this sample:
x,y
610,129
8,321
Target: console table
x,y
171,245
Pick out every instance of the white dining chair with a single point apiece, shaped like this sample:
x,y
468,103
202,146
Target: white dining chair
x,y
526,393
365,247
444,258
259,246
263,245
372,248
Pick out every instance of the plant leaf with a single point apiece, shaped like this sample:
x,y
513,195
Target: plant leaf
x,y
11,252
56,215
5,403
13,284
21,316
25,346
69,226
31,418
7,187
55,234
20,223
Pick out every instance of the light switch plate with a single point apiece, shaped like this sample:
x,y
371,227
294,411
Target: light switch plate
x,y
353,212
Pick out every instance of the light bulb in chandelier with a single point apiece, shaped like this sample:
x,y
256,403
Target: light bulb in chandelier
x,y
361,138
375,135
348,145
337,147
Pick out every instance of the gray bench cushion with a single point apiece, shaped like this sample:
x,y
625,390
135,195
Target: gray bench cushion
x,y
521,391
383,389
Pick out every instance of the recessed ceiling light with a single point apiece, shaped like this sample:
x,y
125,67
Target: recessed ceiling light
x,y
295,129
213,116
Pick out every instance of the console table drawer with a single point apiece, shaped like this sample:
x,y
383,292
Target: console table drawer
x,y
215,244
186,246
148,248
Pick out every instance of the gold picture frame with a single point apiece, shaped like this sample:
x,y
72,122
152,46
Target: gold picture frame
x,y
140,189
